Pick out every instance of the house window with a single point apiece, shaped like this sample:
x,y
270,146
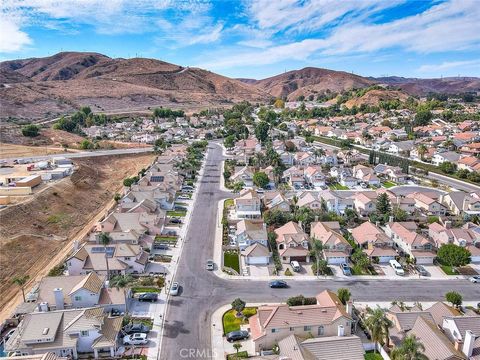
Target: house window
x,y
292,328
321,330
84,333
127,258
307,328
274,331
78,298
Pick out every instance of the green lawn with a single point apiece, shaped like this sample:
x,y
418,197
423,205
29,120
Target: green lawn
x,y
169,239
447,269
240,355
389,184
145,289
176,213
232,323
337,186
370,355
231,260
228,203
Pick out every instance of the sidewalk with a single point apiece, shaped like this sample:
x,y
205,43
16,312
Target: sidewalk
x,y
162,304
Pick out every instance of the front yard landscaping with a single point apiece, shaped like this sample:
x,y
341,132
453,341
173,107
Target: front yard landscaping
x,y
232,323
171,240
239,355
389,184
231,260
162,258
370,355
177,213
338,186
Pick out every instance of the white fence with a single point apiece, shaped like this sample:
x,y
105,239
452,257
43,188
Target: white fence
x,y
381,351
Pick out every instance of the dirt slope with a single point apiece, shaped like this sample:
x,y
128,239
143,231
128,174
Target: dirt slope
x,y
374,97
33,233
450,85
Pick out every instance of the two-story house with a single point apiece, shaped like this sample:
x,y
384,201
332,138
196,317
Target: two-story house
x,y
250,232
292,243
374,242
408,241
336,249
428,203
314,176
462,203
248,205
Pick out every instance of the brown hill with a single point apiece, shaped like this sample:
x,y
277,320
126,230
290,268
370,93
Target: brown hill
x,y
64,82
309,81
374,97
419,87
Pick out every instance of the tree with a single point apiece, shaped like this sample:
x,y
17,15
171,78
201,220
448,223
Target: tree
x,y
238,186
448,167
279,104
399,214
238,305
122,282
105,239
261,131
21,281
361,260
260,179
30,130
130,181
454,298
229,141
317,248
410,349
237,346
422,150
86,144
160,144
117,197
344,295
383,205
423,117
378,324
453,255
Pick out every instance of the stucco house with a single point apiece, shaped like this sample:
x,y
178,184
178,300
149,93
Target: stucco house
x,y
336,249
374,242
292,243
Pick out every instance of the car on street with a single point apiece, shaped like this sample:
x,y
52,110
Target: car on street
x,y
421,270
475,279
346,269
135,339
237,335
152,297
174,289
210,265
278,284
136,329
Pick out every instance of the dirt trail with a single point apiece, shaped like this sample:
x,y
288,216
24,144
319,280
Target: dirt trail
x,y
68,211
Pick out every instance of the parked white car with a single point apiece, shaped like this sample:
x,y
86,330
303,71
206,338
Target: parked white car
x,y
397,267
135,339
174,289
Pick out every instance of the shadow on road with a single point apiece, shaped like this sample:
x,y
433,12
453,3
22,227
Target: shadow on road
x,y
174,328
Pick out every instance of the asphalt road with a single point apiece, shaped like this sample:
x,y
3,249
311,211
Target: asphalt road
x,y
73,155
187,320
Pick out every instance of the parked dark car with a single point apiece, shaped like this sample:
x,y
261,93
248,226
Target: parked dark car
x,y
115,312
421,270
278,284
237,335
175,221
148,297
136,328
159,246
180,208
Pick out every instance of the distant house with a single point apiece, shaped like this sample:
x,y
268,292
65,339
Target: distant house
x,y
243,174
463,237
278,202
374,242
401,148
461,203
273,323
309,200
247,205
428,203
314,175
250,232
365,202
336,249
393,173
470,163
292,243
365,174
406,239
447,156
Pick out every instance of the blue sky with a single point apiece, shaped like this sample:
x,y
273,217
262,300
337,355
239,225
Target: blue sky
x,y
256,38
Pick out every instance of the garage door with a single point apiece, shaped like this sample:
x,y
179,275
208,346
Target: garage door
x,y
475,259
298,258
336,260
424,260
385,259
258,260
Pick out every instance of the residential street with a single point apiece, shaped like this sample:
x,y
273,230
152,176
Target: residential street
x,y
187,332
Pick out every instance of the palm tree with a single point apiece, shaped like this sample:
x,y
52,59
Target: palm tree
x,y
317,248
237,346
378,324
21,281
318,152
105,239
122,282
410,349
294,206
422,150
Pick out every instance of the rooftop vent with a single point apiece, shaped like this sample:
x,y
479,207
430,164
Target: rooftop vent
x,y
45,331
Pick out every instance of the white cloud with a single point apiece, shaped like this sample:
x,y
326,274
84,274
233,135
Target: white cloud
x,y
448,65
12,39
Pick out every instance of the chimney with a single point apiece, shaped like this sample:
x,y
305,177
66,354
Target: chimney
x,y
377,223
448,224
75,245
468,343
43,307
59,300
341,330
349,307
300,224
390,219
